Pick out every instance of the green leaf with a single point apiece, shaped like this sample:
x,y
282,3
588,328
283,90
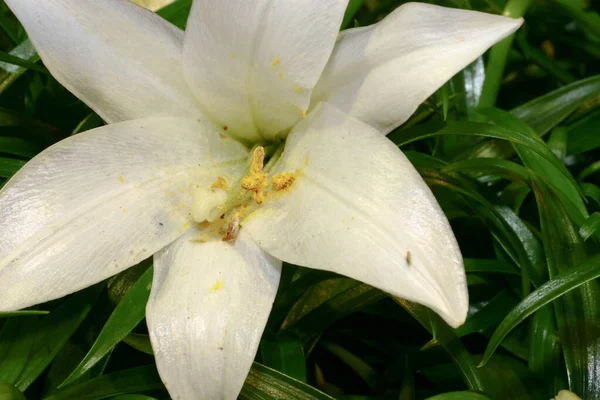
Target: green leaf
x,y
491,314
583,135
117,383
18,147
14,60
473,265
591,191
590,226
22,313
549,110
582,13
127,315
9,166
53,332
9,392
177,12
495,131
16,342
552,171
449,341
9,73
459,396
542,296
351,10
265,383
362,369
139,342
490,166
577,310
285,354
322,317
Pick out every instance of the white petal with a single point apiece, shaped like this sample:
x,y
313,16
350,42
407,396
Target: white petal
x,y
359,208
153,5
253,64
120,59
101,201
381,73
208,308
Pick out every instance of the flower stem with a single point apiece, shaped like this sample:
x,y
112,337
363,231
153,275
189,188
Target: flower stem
x,y
494,70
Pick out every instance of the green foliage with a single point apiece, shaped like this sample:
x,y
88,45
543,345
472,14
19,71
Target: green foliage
x,y
510,149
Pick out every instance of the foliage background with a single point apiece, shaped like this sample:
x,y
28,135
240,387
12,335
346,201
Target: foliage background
x,y
510,148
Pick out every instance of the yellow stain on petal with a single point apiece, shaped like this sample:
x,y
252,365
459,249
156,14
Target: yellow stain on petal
x,y
275,63
280,76
297,88
218,285
220,183
122,179
234,56
256,181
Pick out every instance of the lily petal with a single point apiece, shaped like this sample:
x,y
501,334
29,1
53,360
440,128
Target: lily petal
x,y
207,310
102,201
253,64
359,208
120,59
381,73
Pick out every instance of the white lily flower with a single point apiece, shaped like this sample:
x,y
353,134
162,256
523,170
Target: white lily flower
x,y
157,180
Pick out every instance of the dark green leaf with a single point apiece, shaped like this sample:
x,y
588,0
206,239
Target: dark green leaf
x,y
9,392
265,383
542,296
53,332
128,313
117,383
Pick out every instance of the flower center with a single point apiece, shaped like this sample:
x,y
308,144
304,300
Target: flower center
x,y
222,209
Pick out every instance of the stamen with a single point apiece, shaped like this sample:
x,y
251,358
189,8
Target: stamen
x,y
282,180
256,181
234,229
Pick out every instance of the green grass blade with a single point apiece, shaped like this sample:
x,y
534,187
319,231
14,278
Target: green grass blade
x,y
351,10
552,171
542,296
53,332
25,313
16,342
264,383
9,392
547,111
177,12
285,354
9,73
113,384
448,340
126,316
9,166
459,396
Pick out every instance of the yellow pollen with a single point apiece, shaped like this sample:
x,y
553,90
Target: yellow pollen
x,y
275,63
218,285
256,181
220,183
297,88
122,179
282,181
